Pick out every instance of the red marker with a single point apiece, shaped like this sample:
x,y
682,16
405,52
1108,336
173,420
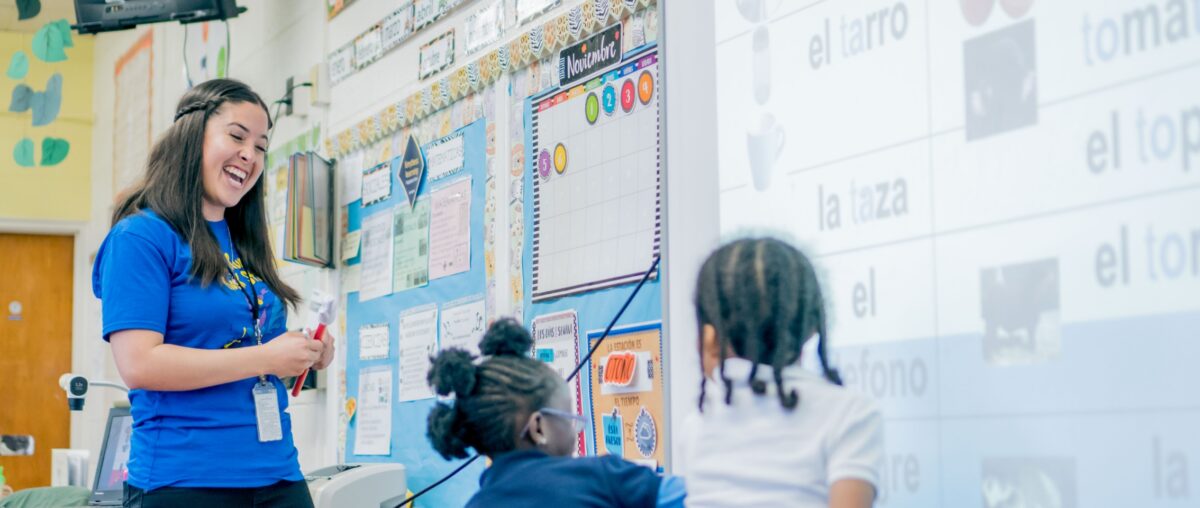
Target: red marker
x,y
322,305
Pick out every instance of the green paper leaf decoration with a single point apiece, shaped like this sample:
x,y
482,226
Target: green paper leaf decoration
x,y
48,44
23,153
18,67
22,98
221,68
54,150
46,104
64,30
27,9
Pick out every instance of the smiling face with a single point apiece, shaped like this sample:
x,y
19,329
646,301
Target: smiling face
x,y
235,146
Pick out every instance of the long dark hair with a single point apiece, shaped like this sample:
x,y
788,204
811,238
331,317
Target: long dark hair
x,y
763,298
489,398
173,187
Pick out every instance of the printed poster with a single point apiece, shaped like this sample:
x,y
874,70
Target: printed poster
x,y
626,384
556,342
374,413
418,342
411,230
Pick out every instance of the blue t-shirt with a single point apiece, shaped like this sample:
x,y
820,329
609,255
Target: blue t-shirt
x,y
197,438
533,479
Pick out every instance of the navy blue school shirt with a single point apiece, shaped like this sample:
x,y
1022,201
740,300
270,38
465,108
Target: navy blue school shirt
x,y
531,478
197,438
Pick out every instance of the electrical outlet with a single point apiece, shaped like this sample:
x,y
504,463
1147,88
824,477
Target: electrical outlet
x,y
319,93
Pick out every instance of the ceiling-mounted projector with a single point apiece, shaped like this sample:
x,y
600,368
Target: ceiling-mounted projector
x,y
95,16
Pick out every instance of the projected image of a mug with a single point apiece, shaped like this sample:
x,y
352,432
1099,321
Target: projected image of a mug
x,y
764,139
764,143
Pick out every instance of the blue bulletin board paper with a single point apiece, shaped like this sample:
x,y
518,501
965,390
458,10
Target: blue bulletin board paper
x,y
409,443
594,308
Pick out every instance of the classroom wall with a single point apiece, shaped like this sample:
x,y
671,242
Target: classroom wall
x,y
273,40
41,185
64,199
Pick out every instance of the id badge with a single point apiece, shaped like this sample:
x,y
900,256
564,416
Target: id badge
x,y
266,411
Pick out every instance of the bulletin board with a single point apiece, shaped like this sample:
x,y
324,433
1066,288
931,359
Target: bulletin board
x,y
596,214
515,74
386,362
610,191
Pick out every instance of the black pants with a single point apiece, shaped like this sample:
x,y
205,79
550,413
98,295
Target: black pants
x,y
283,494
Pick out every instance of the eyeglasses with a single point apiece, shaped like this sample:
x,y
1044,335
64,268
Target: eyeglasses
x,y
578,422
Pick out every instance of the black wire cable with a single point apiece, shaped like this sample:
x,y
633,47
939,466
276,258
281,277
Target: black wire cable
x,y
592,351
586,359
187,73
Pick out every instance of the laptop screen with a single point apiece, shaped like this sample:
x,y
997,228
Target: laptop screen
x,y
113,467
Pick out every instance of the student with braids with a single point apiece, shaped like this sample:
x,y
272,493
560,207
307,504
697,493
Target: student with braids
x,y
770,433
517,411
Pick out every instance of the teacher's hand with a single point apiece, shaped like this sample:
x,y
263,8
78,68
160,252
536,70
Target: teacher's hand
x,y
291,353
327,350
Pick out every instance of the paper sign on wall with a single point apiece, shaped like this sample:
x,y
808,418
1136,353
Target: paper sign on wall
x,y
351,170
374,428
484,27
450,230
590,55
437,54
527,9
374,342
410,169
411,230
463,325
341,63
556,342
424,12
350,244
396,27
376,184
445,156
626,386
368,47
613,430
418,342
377,245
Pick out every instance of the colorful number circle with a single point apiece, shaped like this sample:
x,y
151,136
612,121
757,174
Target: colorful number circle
x,y
544,164
591,108
560,158
610,99
645,87
627,95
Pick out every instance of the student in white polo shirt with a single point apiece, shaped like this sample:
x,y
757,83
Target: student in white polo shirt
x,y
769,433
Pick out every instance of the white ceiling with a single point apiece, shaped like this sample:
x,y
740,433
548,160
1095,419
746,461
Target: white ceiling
x,y
51,10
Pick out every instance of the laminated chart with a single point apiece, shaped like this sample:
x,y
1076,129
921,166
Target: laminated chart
x,y
596,184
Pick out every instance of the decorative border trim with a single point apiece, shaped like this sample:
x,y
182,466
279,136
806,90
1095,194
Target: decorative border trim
x,y
540,41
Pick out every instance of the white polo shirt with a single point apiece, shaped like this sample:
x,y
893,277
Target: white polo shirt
x,y
756,453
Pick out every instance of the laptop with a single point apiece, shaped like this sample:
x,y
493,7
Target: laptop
x,y
113,467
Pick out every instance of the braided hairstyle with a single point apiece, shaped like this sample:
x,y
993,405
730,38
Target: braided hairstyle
x,y
762,297
492,399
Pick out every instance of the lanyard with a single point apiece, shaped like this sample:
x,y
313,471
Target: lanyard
x,y
250,299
